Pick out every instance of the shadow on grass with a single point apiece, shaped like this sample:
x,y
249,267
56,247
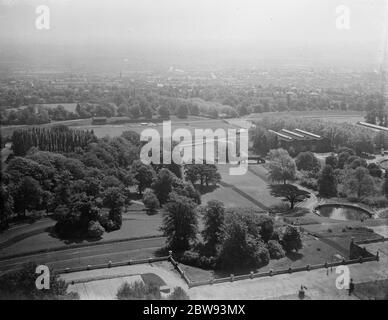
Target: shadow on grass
x,y
71,240
294,256
206,189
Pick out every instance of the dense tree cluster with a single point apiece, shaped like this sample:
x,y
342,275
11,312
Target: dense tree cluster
x,y
85,188
232,239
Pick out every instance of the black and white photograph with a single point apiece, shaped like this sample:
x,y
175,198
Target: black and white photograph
x,y
194,154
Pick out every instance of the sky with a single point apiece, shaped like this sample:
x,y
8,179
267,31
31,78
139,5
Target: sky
x,y
193,31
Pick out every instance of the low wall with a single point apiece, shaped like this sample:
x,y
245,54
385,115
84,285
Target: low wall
x,y
110,264
271,273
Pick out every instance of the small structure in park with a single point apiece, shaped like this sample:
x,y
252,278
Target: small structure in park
x,y
99,120
298,140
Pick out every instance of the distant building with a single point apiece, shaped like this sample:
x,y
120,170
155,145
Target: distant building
x,y
99,120
297,140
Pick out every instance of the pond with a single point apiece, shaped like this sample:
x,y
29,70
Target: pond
x,y
341,212
384,164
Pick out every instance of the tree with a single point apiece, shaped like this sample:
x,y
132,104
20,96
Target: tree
x,y
28,195
291,239
123,109
289,193
132,137
135,111
275,249
164,112
327,184
374,170
307,161
144,175
213,219
182,112
150,201
359,182
180,223
204,173
6,206
281,167
147,112
95,230
385,185
331,161
163,184
242,246
178,294
114,200
20,284
343,159
138,291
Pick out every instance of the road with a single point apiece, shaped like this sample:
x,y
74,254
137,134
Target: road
x,y
96,254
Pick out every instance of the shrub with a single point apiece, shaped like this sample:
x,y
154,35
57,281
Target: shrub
x,y
95,230
376,201
275,250
178,294
262,255
190,258
36,215
291,239
106,223
150,201
309,183
195,259
138,291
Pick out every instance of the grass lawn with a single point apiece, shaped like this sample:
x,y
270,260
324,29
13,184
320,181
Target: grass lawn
x,y
229,197
135,224
250,184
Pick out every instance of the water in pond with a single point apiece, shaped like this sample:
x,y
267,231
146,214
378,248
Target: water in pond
x,y
342,213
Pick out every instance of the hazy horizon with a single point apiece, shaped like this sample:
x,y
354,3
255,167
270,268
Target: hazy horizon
x,y
190,33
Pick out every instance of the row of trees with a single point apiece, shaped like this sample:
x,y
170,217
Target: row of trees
x,y
56,139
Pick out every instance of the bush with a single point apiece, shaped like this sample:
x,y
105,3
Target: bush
x,y
376,201
178,294
138,291
36,215
106,223
275,250
190,258
95,230
309,183
262,255
291,239
150,201
195,259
